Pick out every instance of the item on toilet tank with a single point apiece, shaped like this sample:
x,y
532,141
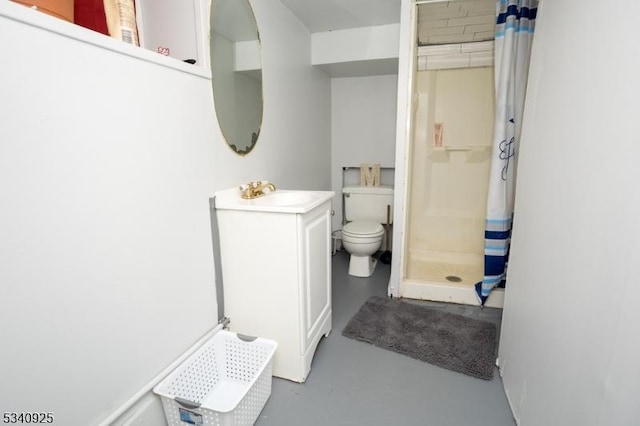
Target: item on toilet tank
x,y
369,176
365,210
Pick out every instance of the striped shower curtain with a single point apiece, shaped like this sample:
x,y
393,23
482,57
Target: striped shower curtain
x,y
514,33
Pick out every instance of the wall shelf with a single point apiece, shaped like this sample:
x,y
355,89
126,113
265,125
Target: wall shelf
x,y
181,26
473,153
25,15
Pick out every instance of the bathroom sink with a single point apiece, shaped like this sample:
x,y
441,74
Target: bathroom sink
x,y
280,201
286,198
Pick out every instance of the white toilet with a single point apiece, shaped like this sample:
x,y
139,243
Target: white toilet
x,y
365,209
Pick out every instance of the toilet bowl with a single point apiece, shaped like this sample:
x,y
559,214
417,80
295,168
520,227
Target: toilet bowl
x,y
365,210
361,239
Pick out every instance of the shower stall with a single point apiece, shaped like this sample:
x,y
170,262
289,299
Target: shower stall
x,y
444,148
448,178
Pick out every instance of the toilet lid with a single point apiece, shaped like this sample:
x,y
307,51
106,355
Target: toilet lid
x,y
362,227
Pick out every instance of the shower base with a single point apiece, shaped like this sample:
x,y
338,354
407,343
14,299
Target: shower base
x,y
446,277
446,272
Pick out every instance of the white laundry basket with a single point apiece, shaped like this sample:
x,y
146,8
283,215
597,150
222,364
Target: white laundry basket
x,y
225,382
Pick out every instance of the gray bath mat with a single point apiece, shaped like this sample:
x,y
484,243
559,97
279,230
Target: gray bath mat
x,y
450,341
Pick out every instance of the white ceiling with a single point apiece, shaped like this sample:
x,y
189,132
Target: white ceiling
x,y
329,15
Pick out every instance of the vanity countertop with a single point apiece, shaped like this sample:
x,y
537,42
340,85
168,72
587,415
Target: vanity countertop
x,y
279,201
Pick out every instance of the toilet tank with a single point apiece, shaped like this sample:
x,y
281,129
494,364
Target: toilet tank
x,y
368,203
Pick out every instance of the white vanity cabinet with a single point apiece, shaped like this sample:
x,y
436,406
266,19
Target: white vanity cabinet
x,y
276,269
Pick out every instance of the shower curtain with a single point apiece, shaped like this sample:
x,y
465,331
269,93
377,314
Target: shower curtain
x,y
514,33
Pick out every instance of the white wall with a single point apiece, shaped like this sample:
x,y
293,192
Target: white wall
x,y
106,265
355,44
357,52
569,349
363,120
106,166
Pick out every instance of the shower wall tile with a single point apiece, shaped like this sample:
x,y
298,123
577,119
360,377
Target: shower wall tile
x,y
460,60
482,46
480,59
451,38
471,20
483,35
440,49
462,55
452,11
480,28
427,32
422,62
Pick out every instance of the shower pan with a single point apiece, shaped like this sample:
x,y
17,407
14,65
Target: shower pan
x,y
448,178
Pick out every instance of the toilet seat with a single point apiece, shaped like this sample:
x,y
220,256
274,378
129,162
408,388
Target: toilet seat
x,y
362,229
362,238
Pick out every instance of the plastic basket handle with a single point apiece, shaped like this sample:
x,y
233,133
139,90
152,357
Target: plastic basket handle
x,y
186,403
246,338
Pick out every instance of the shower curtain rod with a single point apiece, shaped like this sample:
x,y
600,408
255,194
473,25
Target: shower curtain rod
x,y
431,1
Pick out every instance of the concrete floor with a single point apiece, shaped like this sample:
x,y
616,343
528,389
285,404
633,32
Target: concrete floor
x,y
355,383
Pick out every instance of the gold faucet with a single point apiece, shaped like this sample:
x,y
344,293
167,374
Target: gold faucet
x,y
256,189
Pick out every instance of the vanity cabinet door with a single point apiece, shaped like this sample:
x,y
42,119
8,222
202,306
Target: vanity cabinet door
x,y
315,273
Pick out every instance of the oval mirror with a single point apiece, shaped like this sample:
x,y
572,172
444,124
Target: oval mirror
x,y
236,73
